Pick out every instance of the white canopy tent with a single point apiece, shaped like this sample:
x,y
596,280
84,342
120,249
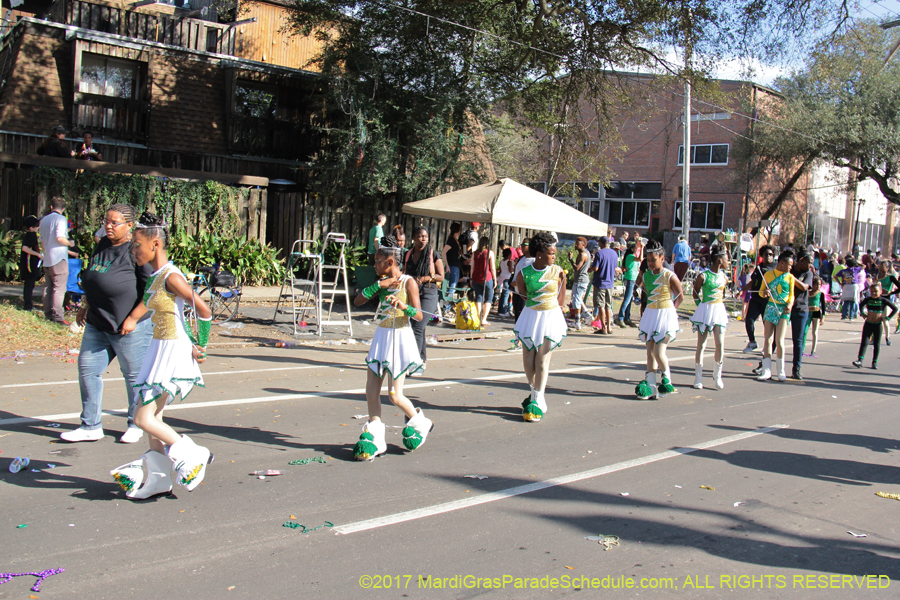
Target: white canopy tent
x,y
507,202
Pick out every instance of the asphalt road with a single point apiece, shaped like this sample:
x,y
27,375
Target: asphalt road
x,y
794,467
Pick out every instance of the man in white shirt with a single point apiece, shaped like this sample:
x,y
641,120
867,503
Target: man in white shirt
x,y
54,233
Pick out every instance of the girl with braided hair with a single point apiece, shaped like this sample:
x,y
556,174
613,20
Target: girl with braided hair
x,y
659,323
170,368
711,317
393,353
541,327
778,286
425,266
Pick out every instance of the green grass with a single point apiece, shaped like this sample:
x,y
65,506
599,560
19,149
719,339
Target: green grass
x,y
26,331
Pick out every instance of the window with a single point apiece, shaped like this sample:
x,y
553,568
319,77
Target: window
x,y
706,154
704,215
254,100
540,186
109,77
637,198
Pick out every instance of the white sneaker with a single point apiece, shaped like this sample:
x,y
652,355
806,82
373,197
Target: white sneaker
x,y
132,435
82,435
750,347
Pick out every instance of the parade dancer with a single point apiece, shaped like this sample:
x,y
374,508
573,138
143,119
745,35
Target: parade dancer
x,y
872,308
542,325
890,286
659,323
711,315
170,369
393,354
778,287
816,315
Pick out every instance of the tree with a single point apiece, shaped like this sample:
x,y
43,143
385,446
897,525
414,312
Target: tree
x,y
401,71
842,108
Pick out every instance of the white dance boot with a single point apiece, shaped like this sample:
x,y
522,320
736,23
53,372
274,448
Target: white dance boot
x,y
416,430
651,381
541,401
371,443
766,369
130,476
698,377
189,462
157,476
781,374
717,375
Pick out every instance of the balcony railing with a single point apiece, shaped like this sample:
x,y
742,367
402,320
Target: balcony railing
x,y
107,116
174,30
272,138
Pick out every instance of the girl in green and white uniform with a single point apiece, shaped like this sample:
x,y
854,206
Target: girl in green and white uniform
x,y
659,323
541,327
711,315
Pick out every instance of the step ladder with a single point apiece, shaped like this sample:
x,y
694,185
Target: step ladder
x,y
301,291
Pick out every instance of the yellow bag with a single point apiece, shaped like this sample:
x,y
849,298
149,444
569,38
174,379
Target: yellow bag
x,y
467,315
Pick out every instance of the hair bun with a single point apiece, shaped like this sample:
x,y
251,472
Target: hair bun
x,y
390,241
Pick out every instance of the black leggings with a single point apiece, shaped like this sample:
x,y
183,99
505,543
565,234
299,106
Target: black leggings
x,y
754,311
874,330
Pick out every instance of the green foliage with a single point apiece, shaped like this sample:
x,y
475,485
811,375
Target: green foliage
x,y
10,249
253,262
563,260
184,204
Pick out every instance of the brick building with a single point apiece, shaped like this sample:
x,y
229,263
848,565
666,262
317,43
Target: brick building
x,y
645,191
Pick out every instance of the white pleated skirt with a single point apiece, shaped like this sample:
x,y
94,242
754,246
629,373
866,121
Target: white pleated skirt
x,y
658,324
169,368
535,326
709,315
394,352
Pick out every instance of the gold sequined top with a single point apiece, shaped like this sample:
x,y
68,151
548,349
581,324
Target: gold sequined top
x,y
167,308
659,294
542,287
394,318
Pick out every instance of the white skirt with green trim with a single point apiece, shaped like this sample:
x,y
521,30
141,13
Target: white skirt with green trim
x,y
536,326
394,352
169,368
709,316
659,324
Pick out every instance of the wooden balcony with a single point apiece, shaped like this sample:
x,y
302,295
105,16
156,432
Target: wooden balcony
x,y
271,137
107,116
172,29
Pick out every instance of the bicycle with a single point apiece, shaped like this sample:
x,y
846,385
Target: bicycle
x,y
219,289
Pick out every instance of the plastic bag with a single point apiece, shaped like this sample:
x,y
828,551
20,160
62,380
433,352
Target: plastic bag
x,y
467,315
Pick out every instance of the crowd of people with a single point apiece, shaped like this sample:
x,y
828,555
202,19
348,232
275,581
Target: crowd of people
x,y
134,299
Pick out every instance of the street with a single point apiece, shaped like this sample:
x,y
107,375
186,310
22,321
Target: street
x,y
762,488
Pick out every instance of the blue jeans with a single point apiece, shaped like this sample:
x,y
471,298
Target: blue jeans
x,y
484,292
799,321
98,348
504,307
452,278
625,309
849,309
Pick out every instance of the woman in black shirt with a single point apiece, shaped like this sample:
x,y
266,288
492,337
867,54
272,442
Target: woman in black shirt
x,y
113,288
452,254
426,267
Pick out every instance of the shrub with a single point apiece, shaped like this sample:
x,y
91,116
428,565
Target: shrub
x,y
253,262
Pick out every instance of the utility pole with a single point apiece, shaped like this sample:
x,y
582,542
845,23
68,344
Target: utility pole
x,y
686,162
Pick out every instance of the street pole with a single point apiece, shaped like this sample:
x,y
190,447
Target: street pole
x,y
686,162
859,203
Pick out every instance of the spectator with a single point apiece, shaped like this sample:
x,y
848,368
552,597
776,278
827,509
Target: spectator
x,y
87,150
630,267
484,274
581,263
54,232
55,145
507,268
375,235
604,269
29,262
423,263
681,257
452,255
524,261
623,241
399,235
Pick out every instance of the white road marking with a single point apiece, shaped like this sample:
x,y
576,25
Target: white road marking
x,y
121,412
437,509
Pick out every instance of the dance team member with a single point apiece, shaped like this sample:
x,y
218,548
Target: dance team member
x,y
393,353
711,317
170,369
542,326
889,287
872,308
816,315
659,323
778,286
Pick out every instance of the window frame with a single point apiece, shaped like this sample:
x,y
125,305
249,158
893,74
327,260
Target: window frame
x,y
679,203
711,147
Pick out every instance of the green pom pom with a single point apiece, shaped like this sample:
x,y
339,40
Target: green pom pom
x,y
532,412
665,387
526,402
365,448
125,482
643,390
411,438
